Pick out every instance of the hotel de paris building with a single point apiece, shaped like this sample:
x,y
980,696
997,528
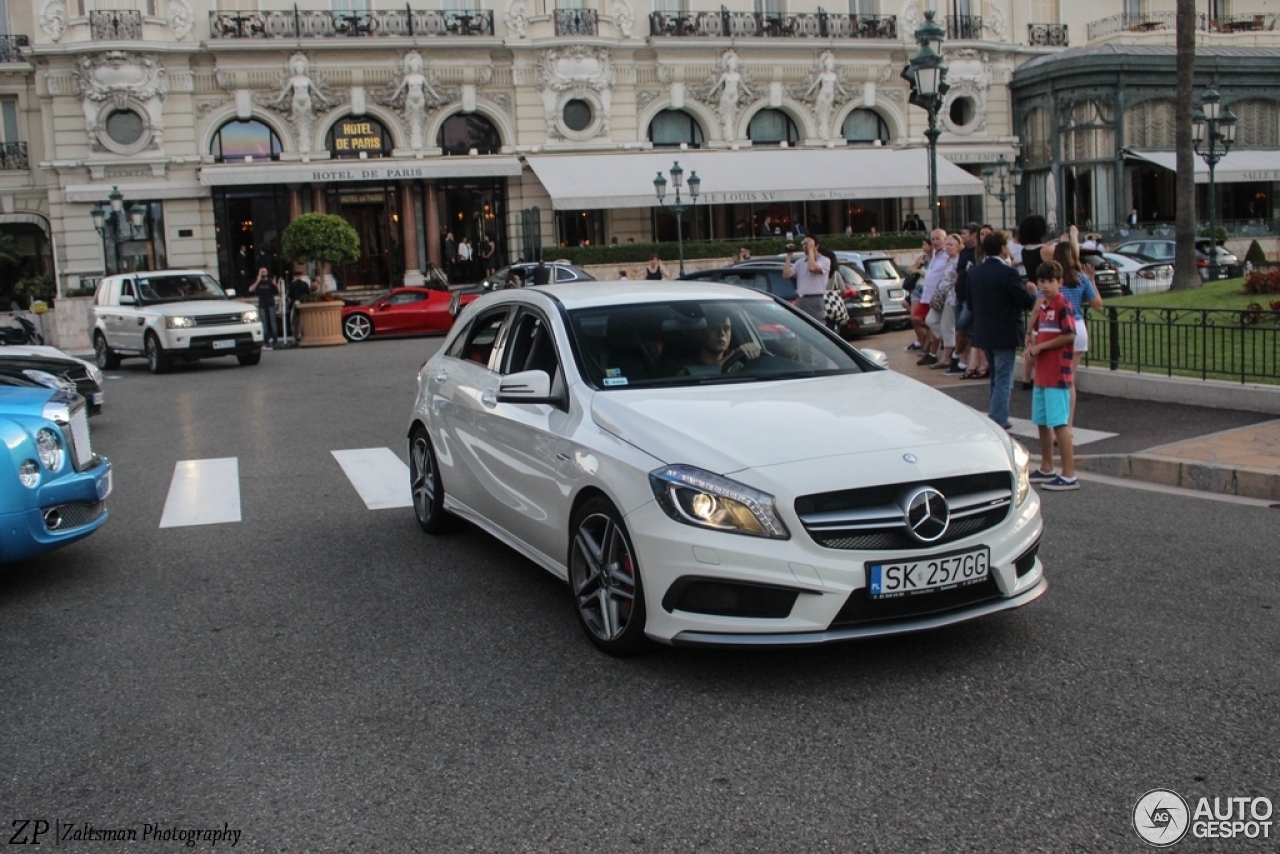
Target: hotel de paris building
x,y
532,123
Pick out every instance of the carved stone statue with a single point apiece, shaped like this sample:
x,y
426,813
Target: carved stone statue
x,y
727,89
300,97
53,19
414,93
517,17
820,89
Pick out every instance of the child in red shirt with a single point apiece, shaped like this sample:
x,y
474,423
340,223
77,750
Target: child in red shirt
x,y
1053,331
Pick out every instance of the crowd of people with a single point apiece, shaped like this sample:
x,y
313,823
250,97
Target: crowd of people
x,y
968,295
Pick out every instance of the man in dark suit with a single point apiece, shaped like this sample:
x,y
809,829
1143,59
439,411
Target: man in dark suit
x,y
998,298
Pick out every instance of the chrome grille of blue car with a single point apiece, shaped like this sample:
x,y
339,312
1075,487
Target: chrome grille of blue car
x,y
81,448
65,517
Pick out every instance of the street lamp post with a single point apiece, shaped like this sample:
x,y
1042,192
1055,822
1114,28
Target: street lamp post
x,y
678,206
1006,191
1215,127
928,78
111,222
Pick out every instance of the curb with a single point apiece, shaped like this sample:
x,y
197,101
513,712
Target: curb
x,y
1242,481
1216,394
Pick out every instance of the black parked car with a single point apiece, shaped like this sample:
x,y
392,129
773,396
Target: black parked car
x,y
866,316
17,360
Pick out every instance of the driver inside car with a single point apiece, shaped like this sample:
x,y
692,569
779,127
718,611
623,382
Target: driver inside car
x,y
714,353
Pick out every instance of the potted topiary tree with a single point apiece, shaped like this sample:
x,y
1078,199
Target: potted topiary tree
x,y
320,239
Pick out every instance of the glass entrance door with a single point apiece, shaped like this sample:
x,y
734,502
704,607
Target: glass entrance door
x,y
374,213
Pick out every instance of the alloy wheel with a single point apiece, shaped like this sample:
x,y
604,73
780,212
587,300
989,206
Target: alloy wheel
x,y
358,327
604,576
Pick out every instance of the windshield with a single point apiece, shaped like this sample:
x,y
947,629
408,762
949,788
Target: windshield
x,y
880,268
178,288
692,342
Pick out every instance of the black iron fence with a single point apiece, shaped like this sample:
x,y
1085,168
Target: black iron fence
x,y
1047,35
13,155
724,23
964,27
1215,344
577,22
9,48
115,26
321,23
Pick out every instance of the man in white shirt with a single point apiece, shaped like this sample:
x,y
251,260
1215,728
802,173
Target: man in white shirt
x,y
811,277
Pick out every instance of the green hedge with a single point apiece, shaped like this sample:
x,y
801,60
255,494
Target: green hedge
x,y
633,253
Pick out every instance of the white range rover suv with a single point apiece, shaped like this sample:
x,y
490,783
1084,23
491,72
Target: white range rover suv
x,y
169,316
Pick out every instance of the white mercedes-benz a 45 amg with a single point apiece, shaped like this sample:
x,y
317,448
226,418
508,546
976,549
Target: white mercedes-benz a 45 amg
x,y
704,465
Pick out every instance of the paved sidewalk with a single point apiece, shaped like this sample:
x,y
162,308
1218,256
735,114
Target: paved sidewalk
x,y
1193,447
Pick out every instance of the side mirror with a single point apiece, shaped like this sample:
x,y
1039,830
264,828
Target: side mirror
x,y
455,304
231,292
525,387
877,356
127,299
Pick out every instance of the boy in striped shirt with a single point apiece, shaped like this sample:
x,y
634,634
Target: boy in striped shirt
x,y
1053,333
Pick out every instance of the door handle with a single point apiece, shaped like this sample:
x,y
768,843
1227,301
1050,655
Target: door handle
x,y
442,376
489,398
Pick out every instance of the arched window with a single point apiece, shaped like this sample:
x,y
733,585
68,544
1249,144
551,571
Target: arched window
x,y
1037,137
864,127
772,127
244,142
352,136
1150,124
670,128
462,132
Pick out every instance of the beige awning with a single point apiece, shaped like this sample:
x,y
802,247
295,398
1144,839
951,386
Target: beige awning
x,y
750,176
1236,167
381,169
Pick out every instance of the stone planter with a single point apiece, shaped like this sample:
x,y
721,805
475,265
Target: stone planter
x,y
320,323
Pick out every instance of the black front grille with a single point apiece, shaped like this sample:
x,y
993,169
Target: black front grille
x,y
219,319
861,608
64,517
729,598
978,502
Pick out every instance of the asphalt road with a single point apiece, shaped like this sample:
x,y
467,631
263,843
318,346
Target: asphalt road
x,y
324,677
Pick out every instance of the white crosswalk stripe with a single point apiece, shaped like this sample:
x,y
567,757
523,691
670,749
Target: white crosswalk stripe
x,y
203,492
380,477
1079,435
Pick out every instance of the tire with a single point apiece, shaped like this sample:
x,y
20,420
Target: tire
x,y
604,579
357,327
248,359
157,361
426,486
106,357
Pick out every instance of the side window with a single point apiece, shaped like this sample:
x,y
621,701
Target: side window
x,y
459,345
406,297
482,337
530,347
126,288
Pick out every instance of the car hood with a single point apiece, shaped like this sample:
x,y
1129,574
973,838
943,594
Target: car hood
x,y
727,428
198,308
36,351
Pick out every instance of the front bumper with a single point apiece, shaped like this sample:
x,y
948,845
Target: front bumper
x,y
203,343
78,499
824,578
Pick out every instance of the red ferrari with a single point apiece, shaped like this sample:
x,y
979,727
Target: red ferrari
x,y
402,311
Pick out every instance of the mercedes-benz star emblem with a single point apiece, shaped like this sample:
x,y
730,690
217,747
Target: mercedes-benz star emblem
x,y
926,513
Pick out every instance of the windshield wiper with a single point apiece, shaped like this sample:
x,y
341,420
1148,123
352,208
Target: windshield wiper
x,y
727,378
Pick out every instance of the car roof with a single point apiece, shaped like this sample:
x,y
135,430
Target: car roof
x,y
151,274
574,295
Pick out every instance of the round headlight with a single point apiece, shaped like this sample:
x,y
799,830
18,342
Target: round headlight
x,y
29,474
250,316
49,447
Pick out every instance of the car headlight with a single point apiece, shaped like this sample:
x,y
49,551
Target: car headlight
x,y
179,322
29,474
49,449
1022,471
95,373
897,293
250,316
706,500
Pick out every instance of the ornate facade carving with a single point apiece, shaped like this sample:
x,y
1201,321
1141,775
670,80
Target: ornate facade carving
x,y
969,73
181,19
517,17
576,72
822,89
727,90
646,97
996,22
118,81
300,96
414,92
53,19
623,17
911,16
204,108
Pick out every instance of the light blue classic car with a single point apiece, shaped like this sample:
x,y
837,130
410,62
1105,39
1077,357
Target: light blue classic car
x,y
52,484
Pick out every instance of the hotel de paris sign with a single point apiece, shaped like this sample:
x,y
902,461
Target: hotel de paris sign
x,y
382,169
